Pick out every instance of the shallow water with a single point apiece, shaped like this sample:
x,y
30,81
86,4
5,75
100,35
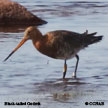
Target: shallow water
x,y
31,76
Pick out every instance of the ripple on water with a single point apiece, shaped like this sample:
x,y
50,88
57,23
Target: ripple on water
x,y
30,74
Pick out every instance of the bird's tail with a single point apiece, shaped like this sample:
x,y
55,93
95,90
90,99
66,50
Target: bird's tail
x,y
90,38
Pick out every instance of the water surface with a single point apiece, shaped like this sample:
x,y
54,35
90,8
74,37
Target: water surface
x,y
31,76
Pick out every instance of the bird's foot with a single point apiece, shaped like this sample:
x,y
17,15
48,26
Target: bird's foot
x,y
74,75
64,79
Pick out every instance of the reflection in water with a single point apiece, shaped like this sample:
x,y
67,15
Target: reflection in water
x,y
63,91
71,91
12,29
61,96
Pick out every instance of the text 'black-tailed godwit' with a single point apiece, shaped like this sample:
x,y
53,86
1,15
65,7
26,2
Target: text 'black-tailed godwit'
x,y
59,44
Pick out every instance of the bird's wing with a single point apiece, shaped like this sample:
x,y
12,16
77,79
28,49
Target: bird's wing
x,y
64,38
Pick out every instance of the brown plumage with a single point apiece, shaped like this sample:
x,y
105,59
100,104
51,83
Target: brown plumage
x,y
59,44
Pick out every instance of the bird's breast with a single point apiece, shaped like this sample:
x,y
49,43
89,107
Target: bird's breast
x,y
37,45
45,49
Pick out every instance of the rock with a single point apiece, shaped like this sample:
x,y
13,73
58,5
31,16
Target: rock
x,y
12,13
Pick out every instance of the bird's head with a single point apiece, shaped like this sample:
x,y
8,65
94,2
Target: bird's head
x,y
30,33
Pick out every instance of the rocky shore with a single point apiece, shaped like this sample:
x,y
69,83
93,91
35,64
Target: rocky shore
x,y
12,13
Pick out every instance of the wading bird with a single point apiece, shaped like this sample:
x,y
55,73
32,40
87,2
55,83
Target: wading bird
x,y
59,44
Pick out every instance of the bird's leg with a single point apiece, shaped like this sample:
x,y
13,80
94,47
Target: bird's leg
x,y
65,69
74,74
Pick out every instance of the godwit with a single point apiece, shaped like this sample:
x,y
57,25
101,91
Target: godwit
x,y
59,44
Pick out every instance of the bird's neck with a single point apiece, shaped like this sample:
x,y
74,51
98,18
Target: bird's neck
x,y
37,37
38,41
42,46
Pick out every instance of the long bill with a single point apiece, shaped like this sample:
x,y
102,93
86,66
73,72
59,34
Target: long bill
x,y
18,46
